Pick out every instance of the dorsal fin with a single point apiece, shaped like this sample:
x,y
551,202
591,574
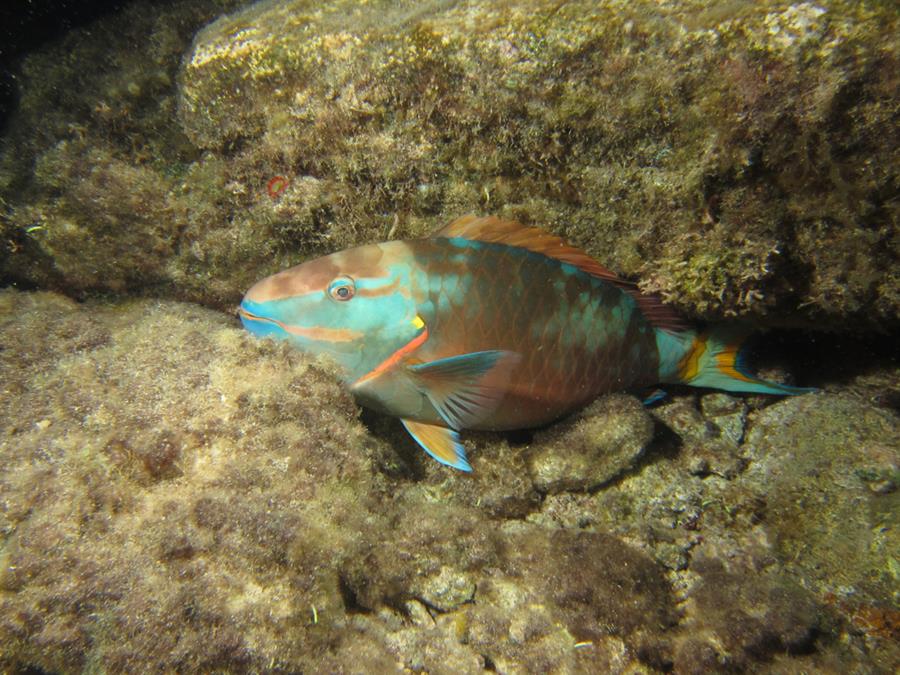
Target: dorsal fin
x,y
493,230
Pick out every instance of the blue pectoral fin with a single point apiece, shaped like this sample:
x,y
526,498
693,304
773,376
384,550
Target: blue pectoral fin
x,y
465,389
652,397
440,442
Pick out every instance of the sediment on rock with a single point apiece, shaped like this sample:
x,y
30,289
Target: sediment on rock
x,y
738,161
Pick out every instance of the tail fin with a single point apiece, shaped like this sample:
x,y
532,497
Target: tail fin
x,y
716,359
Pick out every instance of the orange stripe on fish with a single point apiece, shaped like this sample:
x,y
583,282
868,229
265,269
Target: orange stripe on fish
x,y
726,361
689,366
393,287
395,358
313,332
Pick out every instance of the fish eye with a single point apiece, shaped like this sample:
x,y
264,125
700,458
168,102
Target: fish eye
x,y
342,288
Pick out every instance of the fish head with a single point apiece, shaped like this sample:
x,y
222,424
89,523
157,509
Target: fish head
x,y
355,306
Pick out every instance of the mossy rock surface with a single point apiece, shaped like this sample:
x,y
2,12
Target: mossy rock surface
x,y
740,158
178,496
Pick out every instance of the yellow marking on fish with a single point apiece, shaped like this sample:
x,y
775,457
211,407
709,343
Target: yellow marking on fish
x,y
418,322
690,364
725,364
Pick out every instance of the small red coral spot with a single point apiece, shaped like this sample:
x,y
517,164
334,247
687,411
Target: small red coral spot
x,y
277,185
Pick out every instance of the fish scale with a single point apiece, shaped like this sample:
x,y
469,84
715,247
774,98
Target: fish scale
x,y
486,325
516,287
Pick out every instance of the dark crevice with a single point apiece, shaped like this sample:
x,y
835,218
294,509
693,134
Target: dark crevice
x,y
26,25
349,597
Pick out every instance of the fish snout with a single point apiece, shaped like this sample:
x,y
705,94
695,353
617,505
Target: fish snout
x,y
304,280
259,321
244,314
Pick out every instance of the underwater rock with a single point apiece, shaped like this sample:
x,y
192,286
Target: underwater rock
x,y
711,435
814,460
180,496
592,447
177,496
164,484
732,157
780,545
445,591
728,413
568,600
766,614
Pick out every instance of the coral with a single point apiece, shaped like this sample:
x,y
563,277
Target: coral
x,y
738,159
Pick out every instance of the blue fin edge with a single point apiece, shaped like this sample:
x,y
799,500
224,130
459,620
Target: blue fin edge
x,y
461,462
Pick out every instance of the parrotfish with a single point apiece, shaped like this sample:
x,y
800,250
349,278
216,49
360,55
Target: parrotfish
x,y
489,325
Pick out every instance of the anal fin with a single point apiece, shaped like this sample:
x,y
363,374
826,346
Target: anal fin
x,y
440,442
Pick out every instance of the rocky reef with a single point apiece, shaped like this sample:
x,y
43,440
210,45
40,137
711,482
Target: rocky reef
x,y
740,159
176,496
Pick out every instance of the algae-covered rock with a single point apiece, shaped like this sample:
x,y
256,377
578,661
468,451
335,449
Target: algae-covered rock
x,y
781,547
177,496
825,467
592,447
767,613
738,158
163,478
557,597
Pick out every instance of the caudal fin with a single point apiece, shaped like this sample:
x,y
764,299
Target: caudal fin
x,y
716,359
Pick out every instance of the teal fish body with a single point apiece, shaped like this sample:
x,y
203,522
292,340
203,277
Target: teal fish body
x,y
485,325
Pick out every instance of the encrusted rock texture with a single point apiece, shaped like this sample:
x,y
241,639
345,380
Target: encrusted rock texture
x,y
739,158
176,496
180,497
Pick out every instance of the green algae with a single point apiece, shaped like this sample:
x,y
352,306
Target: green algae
x,y
737,159
178,495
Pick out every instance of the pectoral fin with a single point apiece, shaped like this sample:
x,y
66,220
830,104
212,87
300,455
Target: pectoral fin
x,y
440,442
465,389
651,396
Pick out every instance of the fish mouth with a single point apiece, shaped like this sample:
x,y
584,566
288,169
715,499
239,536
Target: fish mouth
x,y
250,316
319,333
